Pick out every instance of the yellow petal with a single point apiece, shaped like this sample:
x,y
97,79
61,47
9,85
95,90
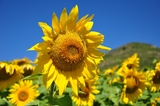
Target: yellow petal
x,y
87,27
63,19
92,96
50,76
47,66
72,18
103,47
38,69
2,65
92,44
73,82
41,47
8,69
86,73
95,91
80,21
80,76
47,30
43,59
95,53
55,23
81,24
90,64
94,38
125,100
46,38
51,71
33,47
61,78
93,33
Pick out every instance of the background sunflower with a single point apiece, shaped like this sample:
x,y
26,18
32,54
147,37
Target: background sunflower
x,y
23,93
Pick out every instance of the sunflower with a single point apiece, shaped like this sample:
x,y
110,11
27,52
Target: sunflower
x,y
21,61
69,51
134,84
111,71
87,97
154,78
26,66
9,74
130,63
116,79
23,93
27,69
111,74
155,102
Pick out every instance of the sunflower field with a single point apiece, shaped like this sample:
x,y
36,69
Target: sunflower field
x,y
65,71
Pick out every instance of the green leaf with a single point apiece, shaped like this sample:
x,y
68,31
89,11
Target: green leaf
x,y
63,101
31,77
42,89
2,102
140,104
155,95
154,61
34,103
115,99
144,97
68,90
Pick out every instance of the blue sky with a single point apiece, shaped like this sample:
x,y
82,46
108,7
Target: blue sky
x,y
121,21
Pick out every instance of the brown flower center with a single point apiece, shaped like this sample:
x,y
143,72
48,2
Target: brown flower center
x,y
130,66
4,75
132,84
27,72
68,51
23,95
86,91
21,62
156,78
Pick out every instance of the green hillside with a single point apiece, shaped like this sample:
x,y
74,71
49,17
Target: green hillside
x,y
146,52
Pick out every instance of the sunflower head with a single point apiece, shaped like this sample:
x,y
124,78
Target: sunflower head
x,y
23,93
134,84
115,80
87,97
27,69
111,71
157,66
9,74
154,78
69,51
131,62
25,65
21,61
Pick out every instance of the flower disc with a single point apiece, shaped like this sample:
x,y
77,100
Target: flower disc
x,y
9,74
132,84
156,78
23,95
68,51
4,75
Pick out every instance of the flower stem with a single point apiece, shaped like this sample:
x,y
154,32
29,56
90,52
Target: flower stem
x,y
52,89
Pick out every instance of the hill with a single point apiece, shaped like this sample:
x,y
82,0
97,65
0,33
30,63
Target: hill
x,y
146,52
